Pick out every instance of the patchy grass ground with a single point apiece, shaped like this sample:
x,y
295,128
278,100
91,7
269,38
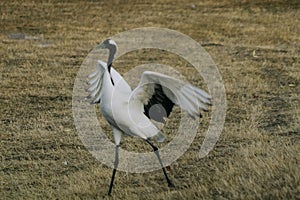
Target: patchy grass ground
x,y
255,44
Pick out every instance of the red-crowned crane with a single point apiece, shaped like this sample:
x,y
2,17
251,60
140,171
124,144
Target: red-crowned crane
x,y
129,111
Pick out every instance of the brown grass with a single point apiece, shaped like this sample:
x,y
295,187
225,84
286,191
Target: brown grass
x,y
44,43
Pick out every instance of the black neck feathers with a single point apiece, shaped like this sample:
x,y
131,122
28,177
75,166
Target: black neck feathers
x,y
109,68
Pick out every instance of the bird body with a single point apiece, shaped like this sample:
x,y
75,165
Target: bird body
x,y
131,111
120,110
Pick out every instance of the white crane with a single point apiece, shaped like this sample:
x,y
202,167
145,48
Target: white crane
x,y
129,112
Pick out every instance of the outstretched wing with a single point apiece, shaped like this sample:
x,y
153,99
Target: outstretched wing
x,y
159,93
95,81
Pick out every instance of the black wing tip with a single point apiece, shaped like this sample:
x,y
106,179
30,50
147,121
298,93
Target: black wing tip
x,y
205,110
200,115
195,115
95,102
92,102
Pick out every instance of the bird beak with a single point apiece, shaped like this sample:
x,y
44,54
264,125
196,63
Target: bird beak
x,y
100,46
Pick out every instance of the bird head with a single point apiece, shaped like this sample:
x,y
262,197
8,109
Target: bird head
x,y
107,44
112,47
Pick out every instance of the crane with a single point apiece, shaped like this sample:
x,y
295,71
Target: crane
x,y
130,111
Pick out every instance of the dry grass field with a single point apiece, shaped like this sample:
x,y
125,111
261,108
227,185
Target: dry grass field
x,y
254,43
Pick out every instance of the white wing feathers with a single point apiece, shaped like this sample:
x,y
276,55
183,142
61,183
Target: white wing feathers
x,y
96,77
95,81
188,97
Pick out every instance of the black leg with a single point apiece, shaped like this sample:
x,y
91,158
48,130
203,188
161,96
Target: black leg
x,y
155,149
115,169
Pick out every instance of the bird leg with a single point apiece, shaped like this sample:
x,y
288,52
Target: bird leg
x,y
155,149
115,169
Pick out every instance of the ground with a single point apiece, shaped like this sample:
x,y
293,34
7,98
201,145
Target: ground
x,y
256,46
